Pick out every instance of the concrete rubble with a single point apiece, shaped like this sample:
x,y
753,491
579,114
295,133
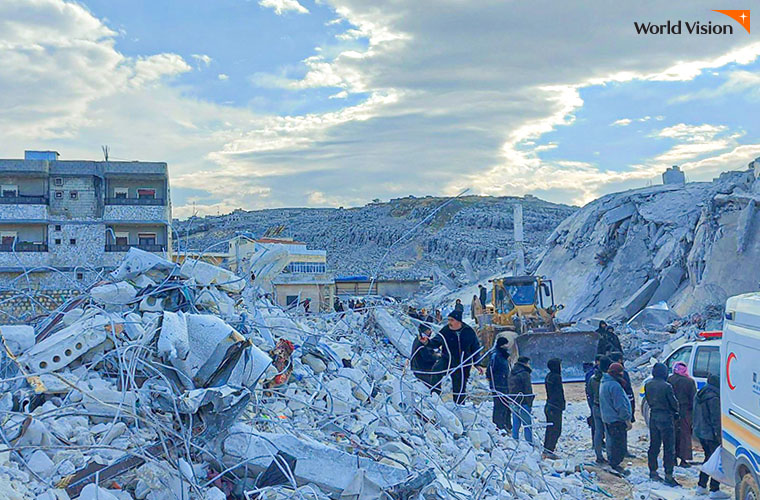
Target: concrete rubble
x,y
143,390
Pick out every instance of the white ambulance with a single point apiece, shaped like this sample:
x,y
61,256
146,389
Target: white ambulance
x,y
740,395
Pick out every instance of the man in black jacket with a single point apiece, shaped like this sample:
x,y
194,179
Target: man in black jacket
x,y
424,358
617,357
460,350
498,380
663,413
707,427
521,392
555,405
483,295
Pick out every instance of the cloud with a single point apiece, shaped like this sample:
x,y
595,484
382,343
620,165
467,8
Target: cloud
x,y
746,82
282,6
201,60
621,122
222,77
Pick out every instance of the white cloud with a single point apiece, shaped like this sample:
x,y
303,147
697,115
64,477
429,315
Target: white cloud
x,y
201,60
621,122
282,6
223,77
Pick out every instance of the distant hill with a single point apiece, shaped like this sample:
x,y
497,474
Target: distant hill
x,y
476,227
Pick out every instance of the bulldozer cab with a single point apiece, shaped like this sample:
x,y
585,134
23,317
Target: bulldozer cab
x,y
522,291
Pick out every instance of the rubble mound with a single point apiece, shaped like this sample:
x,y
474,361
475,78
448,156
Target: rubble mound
x,y
690,245
477,228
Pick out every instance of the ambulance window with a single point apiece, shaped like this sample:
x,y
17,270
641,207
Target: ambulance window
x,y
682,354
707,362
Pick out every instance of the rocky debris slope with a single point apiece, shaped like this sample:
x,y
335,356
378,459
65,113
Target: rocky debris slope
x,y
472,227
691,246
172,382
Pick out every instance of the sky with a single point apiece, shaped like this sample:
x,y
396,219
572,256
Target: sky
x,y
325,103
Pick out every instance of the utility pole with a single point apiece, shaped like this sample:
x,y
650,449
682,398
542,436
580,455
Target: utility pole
x,y
517,221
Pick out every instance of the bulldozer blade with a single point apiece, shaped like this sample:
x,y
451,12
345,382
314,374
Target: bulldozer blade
x,y
573,348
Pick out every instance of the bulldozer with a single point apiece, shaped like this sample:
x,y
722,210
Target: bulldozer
x,y
523,309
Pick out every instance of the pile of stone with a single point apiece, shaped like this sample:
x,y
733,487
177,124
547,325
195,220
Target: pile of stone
x,y
180,382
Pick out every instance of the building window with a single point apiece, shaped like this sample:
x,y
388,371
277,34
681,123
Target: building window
x,y
307,267
291,299
8,237
121,193
57,227
59,195
58,181
146,194
58,241
146,239
73,241
73,195
80,276
122,238
9,191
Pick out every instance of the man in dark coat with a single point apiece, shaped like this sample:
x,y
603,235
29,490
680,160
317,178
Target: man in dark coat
x,y
685,389
602,348
616,415
483,295
617,357
555,405
498,380
663,413
589,373
460,350
424,359
594,385
458,306
521,392
707,427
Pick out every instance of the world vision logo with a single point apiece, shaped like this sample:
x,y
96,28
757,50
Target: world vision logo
x,y
696,27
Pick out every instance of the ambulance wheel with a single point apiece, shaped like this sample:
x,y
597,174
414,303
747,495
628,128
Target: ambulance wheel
x,y
748,489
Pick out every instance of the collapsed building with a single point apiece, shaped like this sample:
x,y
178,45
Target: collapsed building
x,y
184,381
689,245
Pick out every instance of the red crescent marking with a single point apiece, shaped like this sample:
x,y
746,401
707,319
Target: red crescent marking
x,y
731,357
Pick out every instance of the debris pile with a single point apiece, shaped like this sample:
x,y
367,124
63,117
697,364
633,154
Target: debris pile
x,y
181,382
681,244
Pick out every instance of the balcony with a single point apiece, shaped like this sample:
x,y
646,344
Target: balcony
x,y
125,248
23,246
23,200
136,201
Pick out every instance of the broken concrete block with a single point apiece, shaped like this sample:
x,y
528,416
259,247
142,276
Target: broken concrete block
x,y
401,338
18,338
258,448
173,342
114,293
744,226
138,262
670,280
620,213
206,274
639,298
214,493
95,492
41,464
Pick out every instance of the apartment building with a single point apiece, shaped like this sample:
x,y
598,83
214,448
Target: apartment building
x,y
63,221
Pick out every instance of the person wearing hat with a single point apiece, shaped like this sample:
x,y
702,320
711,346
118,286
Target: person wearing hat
x,y
460,350
521,392
498,380
424,359
555,405
685,390
616,415
663,414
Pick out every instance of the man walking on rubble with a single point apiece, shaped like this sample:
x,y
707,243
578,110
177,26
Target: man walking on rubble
x,y
616,415
498,380
555,405
594,385
521,392
424,359
483,296
663,413
460,350
685,390
707,428
625,381
458,306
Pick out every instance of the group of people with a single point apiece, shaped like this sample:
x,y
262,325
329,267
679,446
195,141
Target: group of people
x,y
352,305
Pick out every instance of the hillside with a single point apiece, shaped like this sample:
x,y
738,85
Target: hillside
x,y
473,227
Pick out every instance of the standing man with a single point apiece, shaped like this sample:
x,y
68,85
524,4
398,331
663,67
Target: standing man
x,y
476,308
625,381
555,405
596,411
602,347
616,415
458,306
459,352
483,296
708,430
589,373
424,359
521,391
498,380
685,389
663,408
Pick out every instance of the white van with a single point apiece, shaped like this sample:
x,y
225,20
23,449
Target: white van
x,y
740,395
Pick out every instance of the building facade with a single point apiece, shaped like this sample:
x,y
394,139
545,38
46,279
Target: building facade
x,y
62,222
674,175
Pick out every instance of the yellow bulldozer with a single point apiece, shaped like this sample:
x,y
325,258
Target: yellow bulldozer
x,y
522,309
